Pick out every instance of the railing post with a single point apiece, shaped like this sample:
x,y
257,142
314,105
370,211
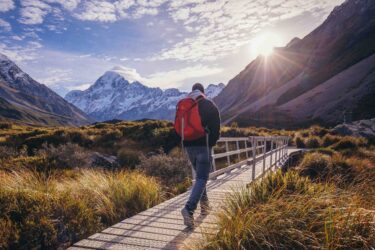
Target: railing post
x,y
264,154
280,151
238,148
254,158
227,150
213,161
284,150
247,153
271,152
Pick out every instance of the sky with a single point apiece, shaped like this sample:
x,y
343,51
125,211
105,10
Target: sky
x,y
69,44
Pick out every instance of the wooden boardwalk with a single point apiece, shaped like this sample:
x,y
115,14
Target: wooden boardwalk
x,y
161,227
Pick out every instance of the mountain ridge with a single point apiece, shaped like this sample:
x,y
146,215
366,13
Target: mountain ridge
x,y
21,93
346,38
113,96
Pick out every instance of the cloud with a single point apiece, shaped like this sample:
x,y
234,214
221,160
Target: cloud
x,y
181,14
6,5
17,53
175,78
33,11
67,4
5,25
128,73
219,28
98,11
56,76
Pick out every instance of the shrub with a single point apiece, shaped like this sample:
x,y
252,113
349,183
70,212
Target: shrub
x,y
10,152
65,156
300,142
171,171
5,125
80,138
318,131
108,138
128,158
312,142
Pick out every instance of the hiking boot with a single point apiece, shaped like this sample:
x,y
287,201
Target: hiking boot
x,y
188,218
205,208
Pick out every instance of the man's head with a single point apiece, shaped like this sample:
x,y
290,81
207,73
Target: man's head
x,y
198,86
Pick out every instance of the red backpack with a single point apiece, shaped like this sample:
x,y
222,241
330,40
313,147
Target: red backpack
x,y
188,123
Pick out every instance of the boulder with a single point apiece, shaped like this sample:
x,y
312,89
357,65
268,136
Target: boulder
x,y
106,161
362,128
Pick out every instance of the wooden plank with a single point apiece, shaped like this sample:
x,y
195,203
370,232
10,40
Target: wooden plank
x,y
161,227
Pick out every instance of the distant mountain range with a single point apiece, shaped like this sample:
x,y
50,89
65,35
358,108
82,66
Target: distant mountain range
x,y
318,79
113,96
24,100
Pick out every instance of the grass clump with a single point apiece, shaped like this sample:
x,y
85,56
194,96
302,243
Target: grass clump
x,y
312,142
349,143
291,212
53,212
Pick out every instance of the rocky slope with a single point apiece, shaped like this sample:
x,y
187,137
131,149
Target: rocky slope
x,y
314,79
364,128
113,96
25,100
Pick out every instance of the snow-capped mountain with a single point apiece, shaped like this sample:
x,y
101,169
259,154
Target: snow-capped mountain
x,y
118,95
24,100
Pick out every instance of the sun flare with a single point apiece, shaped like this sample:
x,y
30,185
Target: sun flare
x,y
264,44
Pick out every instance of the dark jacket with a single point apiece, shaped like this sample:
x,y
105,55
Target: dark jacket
x,y
210,118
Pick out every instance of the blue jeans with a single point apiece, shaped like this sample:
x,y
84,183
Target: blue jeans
x,y
201,160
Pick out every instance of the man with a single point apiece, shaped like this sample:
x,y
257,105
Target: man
x,y
199,150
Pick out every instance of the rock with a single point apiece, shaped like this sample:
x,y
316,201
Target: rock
x,y
107,161
362,128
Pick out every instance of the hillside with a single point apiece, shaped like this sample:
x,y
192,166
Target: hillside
x,y
114,96
314,79
24,100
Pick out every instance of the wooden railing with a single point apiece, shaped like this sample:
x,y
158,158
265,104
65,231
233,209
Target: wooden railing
x,y
253,150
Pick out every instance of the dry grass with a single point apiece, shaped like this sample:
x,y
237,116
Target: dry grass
x,y
51,212
327,202
291,212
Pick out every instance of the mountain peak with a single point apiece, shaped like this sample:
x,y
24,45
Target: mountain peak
x,y
3,57
129,74
119,94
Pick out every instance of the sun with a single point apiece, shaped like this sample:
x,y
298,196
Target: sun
x,y
264,44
